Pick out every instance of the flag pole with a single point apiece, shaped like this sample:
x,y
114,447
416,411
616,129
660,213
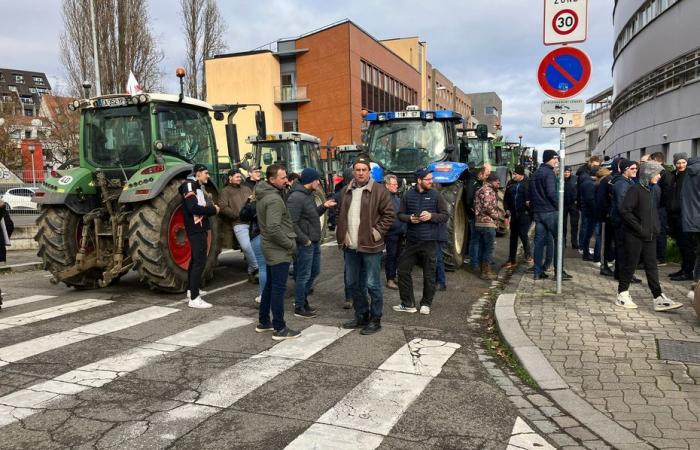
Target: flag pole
x,y
98,85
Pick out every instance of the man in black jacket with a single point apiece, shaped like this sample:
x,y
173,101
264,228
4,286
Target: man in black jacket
x,y
683,239
423,209
571,214
581,174
691,209
640,218
196,212
665,185
517,204
307,226
589,214
394,236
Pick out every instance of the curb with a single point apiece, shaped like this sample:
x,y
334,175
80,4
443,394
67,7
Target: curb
x,y
549,380
24,267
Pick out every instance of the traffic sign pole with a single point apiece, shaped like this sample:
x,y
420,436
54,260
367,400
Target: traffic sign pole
x,y
560,230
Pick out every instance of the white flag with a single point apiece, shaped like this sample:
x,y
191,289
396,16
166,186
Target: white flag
x,y
132,86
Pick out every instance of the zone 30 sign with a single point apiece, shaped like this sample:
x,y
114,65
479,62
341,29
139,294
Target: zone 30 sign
x,y
565,21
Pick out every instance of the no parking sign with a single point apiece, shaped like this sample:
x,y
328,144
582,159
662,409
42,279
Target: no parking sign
x,y
564,72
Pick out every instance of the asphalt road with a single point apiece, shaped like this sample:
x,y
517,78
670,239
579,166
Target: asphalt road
x,y
124,367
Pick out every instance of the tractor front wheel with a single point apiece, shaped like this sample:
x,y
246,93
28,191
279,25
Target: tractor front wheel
x,y
457,226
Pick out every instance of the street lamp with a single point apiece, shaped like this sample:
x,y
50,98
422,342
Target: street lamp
x,y
31,148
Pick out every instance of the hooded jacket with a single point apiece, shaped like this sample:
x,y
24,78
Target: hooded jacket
x,y
543,190
690,197
276,227
619,190
570,191
197,206
305,214
603,194
587,197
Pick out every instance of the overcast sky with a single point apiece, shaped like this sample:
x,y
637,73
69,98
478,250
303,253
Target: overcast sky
x,y
481,45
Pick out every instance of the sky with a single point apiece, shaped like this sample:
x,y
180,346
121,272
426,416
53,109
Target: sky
x,y
481,45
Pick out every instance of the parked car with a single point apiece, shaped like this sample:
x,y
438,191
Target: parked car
x,y
19,198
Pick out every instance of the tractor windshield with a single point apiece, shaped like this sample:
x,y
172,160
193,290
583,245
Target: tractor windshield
x,y
480,151
295,156
185,132
405,145
117,136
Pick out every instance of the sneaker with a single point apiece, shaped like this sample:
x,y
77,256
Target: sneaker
x,y
663,303
202,293
303,312
263,328
625,300
425,309
580,251
347,304
285,333
257,299
309,308
531,260
391,284
508,265
441,287
198,303
402,308
661,263
606,272
565,276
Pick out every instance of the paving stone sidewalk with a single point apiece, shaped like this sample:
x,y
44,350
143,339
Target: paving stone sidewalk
x,y
608,355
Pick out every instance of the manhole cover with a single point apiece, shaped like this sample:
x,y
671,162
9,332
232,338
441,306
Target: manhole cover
x,y
684,351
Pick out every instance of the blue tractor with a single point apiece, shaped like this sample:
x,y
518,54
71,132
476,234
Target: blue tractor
x,y
399,142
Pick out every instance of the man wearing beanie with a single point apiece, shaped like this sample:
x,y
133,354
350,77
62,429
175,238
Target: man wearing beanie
x,y
690,210
545,207
683,239
517,204
640,219
305,216
571,214
624,180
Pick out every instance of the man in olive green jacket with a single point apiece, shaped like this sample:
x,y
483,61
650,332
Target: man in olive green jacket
x,y
279,246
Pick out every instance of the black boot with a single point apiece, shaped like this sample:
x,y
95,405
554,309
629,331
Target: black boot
x,y
606,272
357,323
372,327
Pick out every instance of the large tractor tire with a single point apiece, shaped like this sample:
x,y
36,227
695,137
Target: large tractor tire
x,y
158,244
60,231
501,228
320,199
457,226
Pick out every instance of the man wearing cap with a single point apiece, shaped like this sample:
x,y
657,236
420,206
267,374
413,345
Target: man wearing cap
x,y
545,206
307,226
640,219
232,199
517,203
365,216
196,210
571,214
486,214
254,174
423,209
683,239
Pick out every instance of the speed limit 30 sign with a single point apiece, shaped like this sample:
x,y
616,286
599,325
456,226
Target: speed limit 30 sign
x,y
565,21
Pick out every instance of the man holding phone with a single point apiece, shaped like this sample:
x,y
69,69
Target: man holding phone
x,y
423,209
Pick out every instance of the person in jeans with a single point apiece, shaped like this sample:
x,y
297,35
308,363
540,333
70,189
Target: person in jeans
x,y
440,275
486,214
248,214
365,216
621,183
196,211
571,214
232,199
474,184
394,237
517,203
640,218
544,199
279,247
589,213
423,209
307,226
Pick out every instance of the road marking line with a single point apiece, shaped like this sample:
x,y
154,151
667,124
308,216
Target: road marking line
x,y
32,347
50,313
25,402
523,437
25,300
369,411
237,283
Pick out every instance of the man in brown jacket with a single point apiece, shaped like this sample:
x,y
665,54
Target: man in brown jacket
x,y
233,197
366,214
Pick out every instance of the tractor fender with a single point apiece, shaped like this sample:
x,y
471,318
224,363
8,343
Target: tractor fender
x,y
447,172
139,182
75,189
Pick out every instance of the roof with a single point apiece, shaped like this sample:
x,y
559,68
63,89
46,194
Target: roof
x,y
236,54
285,136
166,98
601,96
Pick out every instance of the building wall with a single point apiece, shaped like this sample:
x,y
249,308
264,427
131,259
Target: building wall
x,y
576,146
414,52
656,92
482,100
244,79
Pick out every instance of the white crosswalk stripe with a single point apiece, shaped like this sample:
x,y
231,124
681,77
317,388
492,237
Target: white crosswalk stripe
x,y
25,300
369,412
25,402
50,313
32,347
523,438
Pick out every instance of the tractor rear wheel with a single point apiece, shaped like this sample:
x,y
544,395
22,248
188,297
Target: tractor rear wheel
x,y
59,235
159,246
457,226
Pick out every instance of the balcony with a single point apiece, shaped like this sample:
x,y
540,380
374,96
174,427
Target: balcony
x,y
291,94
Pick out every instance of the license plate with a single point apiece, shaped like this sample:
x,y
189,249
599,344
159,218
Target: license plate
x,y
407,114
110,102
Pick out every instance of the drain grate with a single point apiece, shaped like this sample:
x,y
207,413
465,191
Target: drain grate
x,y
683,351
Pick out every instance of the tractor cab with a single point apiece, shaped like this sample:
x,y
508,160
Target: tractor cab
x,y
296,151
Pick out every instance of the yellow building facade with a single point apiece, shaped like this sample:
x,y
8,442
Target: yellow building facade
x,y
414,52
248,78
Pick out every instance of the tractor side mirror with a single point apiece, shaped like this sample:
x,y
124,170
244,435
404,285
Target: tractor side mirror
x,y
218,116
482,131
260,124
232,142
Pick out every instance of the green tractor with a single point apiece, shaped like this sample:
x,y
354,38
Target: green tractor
x,y
296,151
120,208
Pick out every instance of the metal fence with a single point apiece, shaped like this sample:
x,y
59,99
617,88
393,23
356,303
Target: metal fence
x,y
17,196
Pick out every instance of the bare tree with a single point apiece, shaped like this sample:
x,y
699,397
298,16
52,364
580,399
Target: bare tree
x,y
204,30
124,43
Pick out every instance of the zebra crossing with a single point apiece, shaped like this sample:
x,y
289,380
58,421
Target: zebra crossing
x,y
362,416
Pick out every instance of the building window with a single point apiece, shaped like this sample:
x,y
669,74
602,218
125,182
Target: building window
x,y
12,88
19,79
38,80
491,111
2,77
289,125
